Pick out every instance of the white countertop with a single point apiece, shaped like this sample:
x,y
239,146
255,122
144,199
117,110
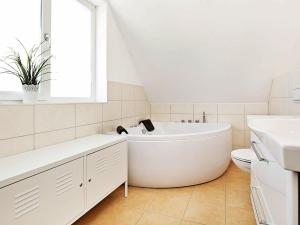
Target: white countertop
x,y
21,166
281,135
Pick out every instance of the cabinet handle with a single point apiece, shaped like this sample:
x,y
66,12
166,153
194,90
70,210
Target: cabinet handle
x,y
80,185
261,221
257,153
90,180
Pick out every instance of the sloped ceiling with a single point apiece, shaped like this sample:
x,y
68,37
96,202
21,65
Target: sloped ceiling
x,y
210,50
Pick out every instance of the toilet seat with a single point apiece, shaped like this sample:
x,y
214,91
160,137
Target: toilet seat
x,y
244,155
242,158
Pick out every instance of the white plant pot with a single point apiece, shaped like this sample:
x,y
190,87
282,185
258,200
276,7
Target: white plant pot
x,y
30,93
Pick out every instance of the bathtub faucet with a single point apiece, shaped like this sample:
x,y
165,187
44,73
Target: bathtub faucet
x,y
204,117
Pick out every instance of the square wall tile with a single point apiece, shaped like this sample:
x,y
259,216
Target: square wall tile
x,y
128,92
247,138
16,145
148,108
293,107
54,117
261,108
237,122
208,108
274,106
88,113
127,122
161,117
139,93
54,137
231,109
179,117
209,118
238,138
16,121
142,117
128,109
110,126
112,110
114,91
160,108
88,130
182,108
140,108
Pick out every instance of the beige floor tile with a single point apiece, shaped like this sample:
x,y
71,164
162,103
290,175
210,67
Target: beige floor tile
x,y
208,214
169,205
184,222
138,198
238,216
238,199
157,219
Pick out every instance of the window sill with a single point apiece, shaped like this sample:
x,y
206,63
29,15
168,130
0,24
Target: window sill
x,y
48,102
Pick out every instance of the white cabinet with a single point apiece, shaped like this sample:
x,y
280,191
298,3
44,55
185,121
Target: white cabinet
x,y
63,193
273,189
106,170
51,197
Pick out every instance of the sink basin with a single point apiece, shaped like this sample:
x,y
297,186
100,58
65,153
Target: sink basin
x,y
281,135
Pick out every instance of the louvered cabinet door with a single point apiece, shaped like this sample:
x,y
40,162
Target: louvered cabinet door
x,y
97,176
67,192
27,202
106,170
119,167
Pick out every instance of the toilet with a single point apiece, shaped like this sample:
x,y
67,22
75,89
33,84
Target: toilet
x,y
242,158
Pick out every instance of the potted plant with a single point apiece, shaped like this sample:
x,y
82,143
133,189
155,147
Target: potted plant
x,y
29,69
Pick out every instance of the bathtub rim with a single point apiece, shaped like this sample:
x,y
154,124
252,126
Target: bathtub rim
x,y
221,128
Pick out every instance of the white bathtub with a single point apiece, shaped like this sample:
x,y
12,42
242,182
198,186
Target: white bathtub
x,y
178,154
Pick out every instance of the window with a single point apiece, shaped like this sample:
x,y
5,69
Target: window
x,y
72,45
14,24
70,26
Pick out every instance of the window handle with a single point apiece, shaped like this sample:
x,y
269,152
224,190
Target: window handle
x,y
46,37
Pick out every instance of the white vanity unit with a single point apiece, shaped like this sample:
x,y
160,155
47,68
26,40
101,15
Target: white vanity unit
x,y
58,184
275,171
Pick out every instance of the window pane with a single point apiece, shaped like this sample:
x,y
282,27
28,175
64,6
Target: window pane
x,y
18,20
71,45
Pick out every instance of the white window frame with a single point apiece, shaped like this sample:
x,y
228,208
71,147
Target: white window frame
x,y
45,87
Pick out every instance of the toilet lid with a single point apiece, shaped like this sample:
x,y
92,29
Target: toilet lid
x,y
243,155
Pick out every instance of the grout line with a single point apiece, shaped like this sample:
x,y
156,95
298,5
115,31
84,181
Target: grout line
x,y
33,114
185,210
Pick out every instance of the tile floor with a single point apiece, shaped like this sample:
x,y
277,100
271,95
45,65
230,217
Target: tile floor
x,y
224,201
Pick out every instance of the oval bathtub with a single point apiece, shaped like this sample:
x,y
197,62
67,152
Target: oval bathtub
x,y
178,154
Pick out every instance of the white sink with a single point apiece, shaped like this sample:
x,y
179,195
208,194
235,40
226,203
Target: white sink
x,y
281,135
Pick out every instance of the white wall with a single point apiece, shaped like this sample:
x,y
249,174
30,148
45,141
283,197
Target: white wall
x,y
120,67
210,50
281,98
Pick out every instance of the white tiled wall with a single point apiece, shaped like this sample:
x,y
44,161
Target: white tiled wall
x,y
26,127
233,113
281,102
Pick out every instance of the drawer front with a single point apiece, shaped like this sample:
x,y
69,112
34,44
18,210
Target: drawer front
x,y
260,210
271,181
259,148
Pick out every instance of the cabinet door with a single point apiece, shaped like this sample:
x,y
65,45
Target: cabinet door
x,y
67,192
27,202
106,170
